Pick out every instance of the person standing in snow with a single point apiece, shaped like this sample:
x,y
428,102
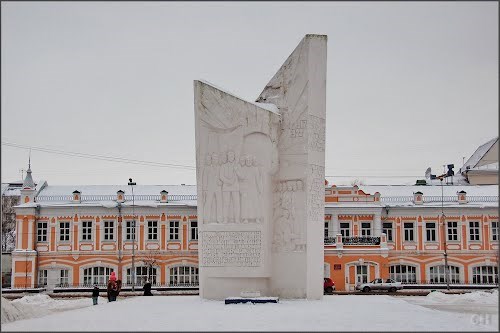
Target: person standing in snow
x,y
95,294
147,289
112,288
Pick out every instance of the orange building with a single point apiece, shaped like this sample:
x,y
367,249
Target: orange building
x,y
71,236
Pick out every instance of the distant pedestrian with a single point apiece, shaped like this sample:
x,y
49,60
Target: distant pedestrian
x,y
95,294
147,289
112,288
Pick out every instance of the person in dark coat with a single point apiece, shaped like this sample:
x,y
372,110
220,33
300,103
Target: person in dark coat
x,y
147,289
112,288
95,294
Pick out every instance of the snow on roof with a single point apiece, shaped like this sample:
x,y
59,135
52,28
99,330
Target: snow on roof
x,y
448,190
478,154
266,106
64,190
486,167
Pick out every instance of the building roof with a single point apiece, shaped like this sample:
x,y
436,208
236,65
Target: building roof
x,y
85,190
478,154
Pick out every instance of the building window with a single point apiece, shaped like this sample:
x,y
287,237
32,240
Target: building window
x,y
42,277
430,231
494,230
366,229
473,230
194,230
184,275
129,230
152,230
403,273
96,275
41,231
485,274
437,274
325,235
387,229
64,278
452,230
142,274
64,231
345,229
174,230
86,230
109,230
409,232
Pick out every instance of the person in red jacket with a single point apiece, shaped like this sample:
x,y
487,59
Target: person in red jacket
x,y
112,288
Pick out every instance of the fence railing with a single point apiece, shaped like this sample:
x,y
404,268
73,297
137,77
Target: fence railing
x,y
330,240
363,240
141,197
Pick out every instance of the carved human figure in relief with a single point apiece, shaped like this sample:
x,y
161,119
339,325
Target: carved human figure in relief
x,y
244,180
213,203
204,184
230,190
256,188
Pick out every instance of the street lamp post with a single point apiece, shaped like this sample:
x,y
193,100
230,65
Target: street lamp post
x,y
446,270
133,234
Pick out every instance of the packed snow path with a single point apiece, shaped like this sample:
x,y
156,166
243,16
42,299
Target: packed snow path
x,y
190,313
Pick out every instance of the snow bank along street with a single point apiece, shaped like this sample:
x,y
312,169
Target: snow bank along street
x,y
333,313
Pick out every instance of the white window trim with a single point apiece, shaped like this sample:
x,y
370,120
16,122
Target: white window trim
x,y
491,231
471,266
393,232
459,232
58,232
185,264
124,231
480,227
179,231
436,228
198,230
415,233
416,266
92,231
157,231
440,263
103,229
47,235
361,228
350,228
96,263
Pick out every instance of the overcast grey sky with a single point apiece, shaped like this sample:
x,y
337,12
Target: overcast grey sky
x,y
409,85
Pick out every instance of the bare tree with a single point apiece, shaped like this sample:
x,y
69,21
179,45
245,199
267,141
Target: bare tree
x,y
357,181
150,260
9,222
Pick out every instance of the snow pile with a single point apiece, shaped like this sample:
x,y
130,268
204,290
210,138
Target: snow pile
x,y
39,305
475,297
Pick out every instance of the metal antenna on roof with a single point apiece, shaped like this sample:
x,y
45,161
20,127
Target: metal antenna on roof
x,y
29,160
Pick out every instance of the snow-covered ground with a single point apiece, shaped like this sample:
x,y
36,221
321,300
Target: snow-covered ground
x,y
333,313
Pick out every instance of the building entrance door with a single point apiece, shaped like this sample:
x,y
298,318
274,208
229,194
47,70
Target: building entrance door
x,y
362,274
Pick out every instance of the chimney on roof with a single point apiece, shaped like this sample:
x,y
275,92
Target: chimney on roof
x,y
77,197
462,197
120,196
418,198
163,196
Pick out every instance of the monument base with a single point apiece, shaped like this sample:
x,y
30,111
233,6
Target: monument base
x,y
237,300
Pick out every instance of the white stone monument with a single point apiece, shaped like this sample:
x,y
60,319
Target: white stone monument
x,y
260,175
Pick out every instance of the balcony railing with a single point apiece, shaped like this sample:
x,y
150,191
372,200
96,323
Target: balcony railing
x,y
330,240
363,240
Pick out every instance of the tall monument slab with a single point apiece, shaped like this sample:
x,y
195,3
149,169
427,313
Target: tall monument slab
x,y
260,176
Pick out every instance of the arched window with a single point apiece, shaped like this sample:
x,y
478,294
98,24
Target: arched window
x,y
142,274
485,274
403,273
437,274
96,275
183,276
